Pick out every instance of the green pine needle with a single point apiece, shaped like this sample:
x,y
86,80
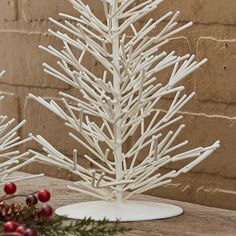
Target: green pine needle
x,y
61,226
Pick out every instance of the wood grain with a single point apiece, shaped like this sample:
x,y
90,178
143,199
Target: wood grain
x,y
197,220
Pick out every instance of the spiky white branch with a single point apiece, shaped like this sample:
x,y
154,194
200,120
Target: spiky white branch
x,y
12,160
122,98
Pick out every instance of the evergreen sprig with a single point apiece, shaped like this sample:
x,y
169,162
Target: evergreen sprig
x,y
58,225
40,221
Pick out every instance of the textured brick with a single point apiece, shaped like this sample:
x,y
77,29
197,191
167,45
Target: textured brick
x,y
212,108
219,197
23,59
43,122
181,47
202,130
200,11
210,190
9,105
205,11
19,61
8,10
216,80
43,9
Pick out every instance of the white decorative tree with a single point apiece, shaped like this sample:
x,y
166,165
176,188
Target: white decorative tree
x,y
122,99
11,160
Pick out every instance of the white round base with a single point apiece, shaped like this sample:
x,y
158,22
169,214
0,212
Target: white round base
x,y
126,211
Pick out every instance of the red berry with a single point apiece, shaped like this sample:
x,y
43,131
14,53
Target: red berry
x,y
10,188
10,226
46,211
44,195
31,200
30,232
20,229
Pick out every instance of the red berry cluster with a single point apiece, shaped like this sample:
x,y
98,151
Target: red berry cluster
x,y
13,227
32,200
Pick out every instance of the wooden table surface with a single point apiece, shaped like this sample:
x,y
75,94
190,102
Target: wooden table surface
x,y
196,220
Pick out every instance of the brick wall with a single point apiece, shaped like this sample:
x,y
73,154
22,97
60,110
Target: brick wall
x,y
211,115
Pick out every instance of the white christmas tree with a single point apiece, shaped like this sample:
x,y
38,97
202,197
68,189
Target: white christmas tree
x,y
11,160
124,99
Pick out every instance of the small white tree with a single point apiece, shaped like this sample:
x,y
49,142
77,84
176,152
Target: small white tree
x,y
122,99
11,160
